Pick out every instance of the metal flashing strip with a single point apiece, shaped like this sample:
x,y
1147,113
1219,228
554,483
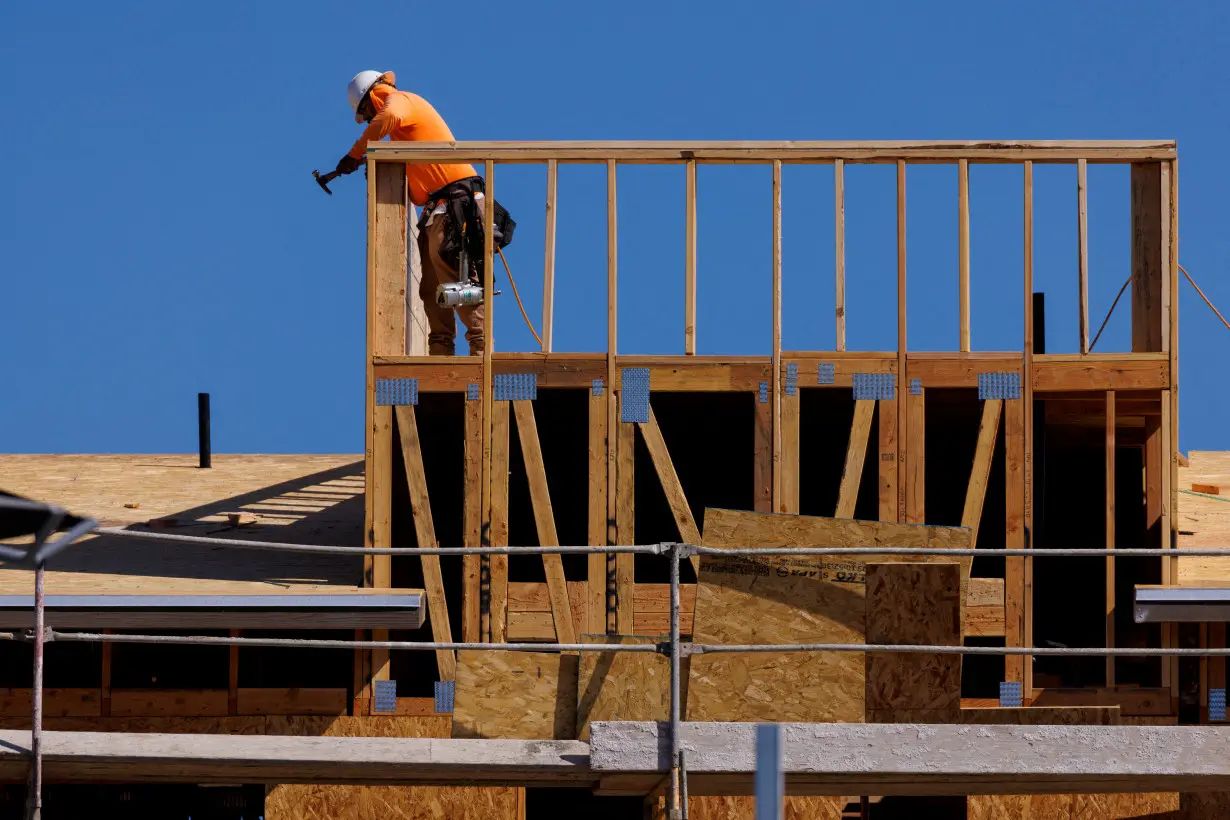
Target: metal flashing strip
x,y
764,392
516,386
397,392
792,378
634,394
472,393
999,385
596,387
915,387
445,691
384,698
875,386
1182,605
1217,704
825,373
1010,694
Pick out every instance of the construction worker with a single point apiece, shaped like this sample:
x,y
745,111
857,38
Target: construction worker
x,y
451,195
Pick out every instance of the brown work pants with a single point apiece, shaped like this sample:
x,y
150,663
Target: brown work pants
x,y
442,327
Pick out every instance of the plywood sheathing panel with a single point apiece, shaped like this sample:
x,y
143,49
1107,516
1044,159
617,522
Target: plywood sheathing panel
x,y
515,695
1073,806
1203,521
992,716
732,807
796,600
622,685
913,604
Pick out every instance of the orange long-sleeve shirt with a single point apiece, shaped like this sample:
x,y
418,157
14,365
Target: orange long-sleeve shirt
x,y
401,115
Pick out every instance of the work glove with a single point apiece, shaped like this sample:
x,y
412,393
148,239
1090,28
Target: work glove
x,y
348,164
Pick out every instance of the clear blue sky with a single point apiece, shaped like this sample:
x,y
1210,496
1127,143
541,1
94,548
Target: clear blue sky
x,y
160,233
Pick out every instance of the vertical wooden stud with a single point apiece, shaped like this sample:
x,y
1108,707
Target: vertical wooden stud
x,y
498,606
1170,565
788,498
1014,537
1027,394
888,459
1150,183
596,562
625,563
472,525
1110,533
1082,253
963,251
839,236
232,686
104,694
903,431
689,263
548,272
776,388
494,504
916,460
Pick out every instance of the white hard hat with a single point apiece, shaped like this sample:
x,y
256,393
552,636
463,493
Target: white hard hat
x,y
358,88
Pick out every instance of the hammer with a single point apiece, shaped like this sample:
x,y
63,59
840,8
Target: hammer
x,y
324,180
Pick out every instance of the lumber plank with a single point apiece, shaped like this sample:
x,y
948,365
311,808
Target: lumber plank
x,y
888,462
169,702
775,388
1150,192
856,454
1110,532
1117,373
425,530
1082,253
789,498
544,518
472,524
839,247
701,374
596,608
980,473
1132,701
1014,536
232,693
57,702
625,491
296,701
499,520
903,429
671,485
959,369
963,254
616,492
916,459
548,273
689,262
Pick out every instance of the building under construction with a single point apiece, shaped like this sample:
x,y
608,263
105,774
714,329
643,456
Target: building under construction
x,y
1023,520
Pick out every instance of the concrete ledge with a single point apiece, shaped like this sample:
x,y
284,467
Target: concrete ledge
x,y
99,756
922,759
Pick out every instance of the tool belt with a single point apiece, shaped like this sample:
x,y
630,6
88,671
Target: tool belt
x,y
463,225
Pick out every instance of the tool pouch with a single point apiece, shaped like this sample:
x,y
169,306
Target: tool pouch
x,y
461,209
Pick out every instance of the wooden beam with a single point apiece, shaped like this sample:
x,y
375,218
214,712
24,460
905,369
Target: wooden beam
x,y
1082,254
625,563
425,531
232,686
490,623
980,473
776,387
856,454
903,429
1150,252
888,463
617,492
839,236
548,273
671,485
544,519
1170,566
1110,533
472,525
963,251
104,694
916,460
1014,536
689,263
1028,412
788,497
596,562
498,606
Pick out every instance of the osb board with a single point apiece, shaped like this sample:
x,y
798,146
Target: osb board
x,y
360,726
913,604
1072,806
157,725
521,695
294,802
622,685
56,702
744,808
312,499
1025,716
809,599
1203,521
